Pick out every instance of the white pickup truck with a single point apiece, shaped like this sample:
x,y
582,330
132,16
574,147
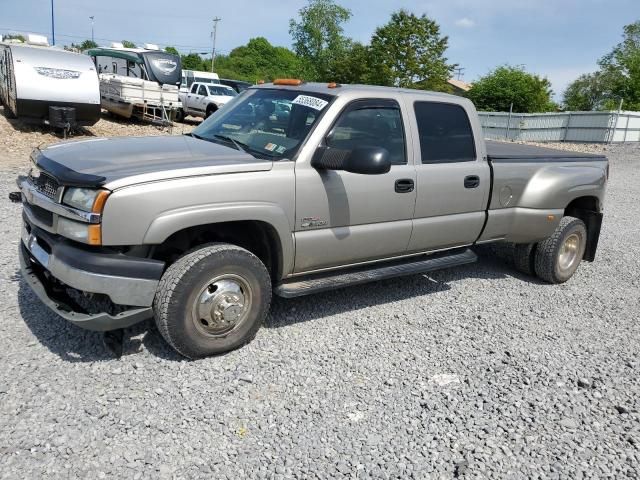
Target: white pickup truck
x,y
203,99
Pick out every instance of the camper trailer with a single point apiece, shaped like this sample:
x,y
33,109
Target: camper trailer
x,y
46,84
190,76
138,82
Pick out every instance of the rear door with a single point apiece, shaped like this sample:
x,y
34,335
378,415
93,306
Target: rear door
x,y
344,218
453,177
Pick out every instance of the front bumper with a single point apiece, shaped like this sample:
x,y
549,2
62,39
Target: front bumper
x,y
50,264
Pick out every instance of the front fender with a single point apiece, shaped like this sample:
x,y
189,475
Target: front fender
x,y
172,221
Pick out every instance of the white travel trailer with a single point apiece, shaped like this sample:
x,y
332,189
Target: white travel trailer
x,y
46,84
190,76
138,82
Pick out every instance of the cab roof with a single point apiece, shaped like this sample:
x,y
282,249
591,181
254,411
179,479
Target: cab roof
x,y
354,89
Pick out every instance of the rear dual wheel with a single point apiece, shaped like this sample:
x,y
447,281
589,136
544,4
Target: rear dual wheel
x,y
556,258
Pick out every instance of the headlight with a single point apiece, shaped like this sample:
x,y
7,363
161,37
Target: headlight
x,y
85,199
90,234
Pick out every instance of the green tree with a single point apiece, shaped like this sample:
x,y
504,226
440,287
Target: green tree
x,y
318,37
409,52
128,44
622,69
172,50
192,61
87,44
587,92
259,60
14,37
505,85
354,66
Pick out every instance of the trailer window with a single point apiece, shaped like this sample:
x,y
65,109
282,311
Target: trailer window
x,y
445,133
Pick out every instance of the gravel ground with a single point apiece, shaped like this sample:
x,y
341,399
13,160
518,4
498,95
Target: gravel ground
x,y
475,372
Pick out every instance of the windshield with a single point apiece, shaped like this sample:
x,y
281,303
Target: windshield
x,y
217,90
265,123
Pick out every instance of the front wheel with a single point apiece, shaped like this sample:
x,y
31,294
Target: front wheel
x,y
180,115
211,109
557,258
212,300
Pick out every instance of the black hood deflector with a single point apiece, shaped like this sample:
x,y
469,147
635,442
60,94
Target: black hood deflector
x,y
66,176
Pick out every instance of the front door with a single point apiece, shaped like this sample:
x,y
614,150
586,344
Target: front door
x,y
344,218
453,179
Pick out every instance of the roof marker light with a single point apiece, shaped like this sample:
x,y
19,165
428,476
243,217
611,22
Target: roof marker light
x,y
292,82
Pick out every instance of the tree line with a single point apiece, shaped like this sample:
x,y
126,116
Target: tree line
x,y
409,51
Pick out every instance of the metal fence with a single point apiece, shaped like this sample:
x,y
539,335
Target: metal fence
x,y
596,127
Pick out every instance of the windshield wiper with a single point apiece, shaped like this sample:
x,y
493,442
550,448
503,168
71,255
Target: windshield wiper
x,y
239,145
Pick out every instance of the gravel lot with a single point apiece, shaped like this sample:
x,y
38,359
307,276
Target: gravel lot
x,y
476,372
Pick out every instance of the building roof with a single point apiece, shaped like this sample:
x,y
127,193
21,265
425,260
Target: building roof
x,y
459,84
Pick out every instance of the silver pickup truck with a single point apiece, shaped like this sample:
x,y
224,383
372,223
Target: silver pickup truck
x,y
292,188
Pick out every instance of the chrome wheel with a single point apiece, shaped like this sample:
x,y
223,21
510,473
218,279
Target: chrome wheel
x,y
222,305
569,254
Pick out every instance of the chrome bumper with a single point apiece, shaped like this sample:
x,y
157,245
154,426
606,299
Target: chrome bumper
x,y
122,290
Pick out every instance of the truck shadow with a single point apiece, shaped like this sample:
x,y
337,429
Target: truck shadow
x,y
73,344
285,312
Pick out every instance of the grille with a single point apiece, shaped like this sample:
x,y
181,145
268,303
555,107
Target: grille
x,y
45,184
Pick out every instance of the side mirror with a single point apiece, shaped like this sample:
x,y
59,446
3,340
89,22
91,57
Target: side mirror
x,y
363,160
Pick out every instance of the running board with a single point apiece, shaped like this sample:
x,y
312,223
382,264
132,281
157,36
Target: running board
x,y
315,283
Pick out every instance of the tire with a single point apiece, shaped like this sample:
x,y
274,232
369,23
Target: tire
x,y
180,115
220,278
557,258
211,109
524,258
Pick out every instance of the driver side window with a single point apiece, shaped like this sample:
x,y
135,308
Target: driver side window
x,y
371,123
194,88
202,91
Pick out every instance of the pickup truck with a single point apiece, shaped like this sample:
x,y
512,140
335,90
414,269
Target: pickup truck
x,y
203,99
344,185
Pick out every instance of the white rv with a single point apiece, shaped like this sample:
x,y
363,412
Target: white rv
x,y
36,80
138,82
190,76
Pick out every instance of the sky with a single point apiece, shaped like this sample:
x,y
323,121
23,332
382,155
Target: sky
x,y
558,39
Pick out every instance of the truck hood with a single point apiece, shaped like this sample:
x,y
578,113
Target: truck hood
x,y
118,162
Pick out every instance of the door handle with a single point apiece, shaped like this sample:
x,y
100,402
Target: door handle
x,y
404,185
471,181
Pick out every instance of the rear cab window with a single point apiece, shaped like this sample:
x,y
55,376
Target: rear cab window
x,y
445,133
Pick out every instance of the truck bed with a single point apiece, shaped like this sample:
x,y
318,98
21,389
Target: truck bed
x,y
513,152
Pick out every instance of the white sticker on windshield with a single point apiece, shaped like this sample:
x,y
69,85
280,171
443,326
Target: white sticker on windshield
x,y
311,102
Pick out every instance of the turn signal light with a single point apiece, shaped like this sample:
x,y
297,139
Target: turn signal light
x,y
98,203
292,82
94,235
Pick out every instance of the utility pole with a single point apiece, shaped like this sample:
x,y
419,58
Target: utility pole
x,y
459,71
53,27
213,47
92,17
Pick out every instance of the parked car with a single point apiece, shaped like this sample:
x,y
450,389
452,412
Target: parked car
x,y
361,183
238,85
203,100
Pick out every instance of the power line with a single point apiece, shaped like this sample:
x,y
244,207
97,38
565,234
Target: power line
x,y
84,37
